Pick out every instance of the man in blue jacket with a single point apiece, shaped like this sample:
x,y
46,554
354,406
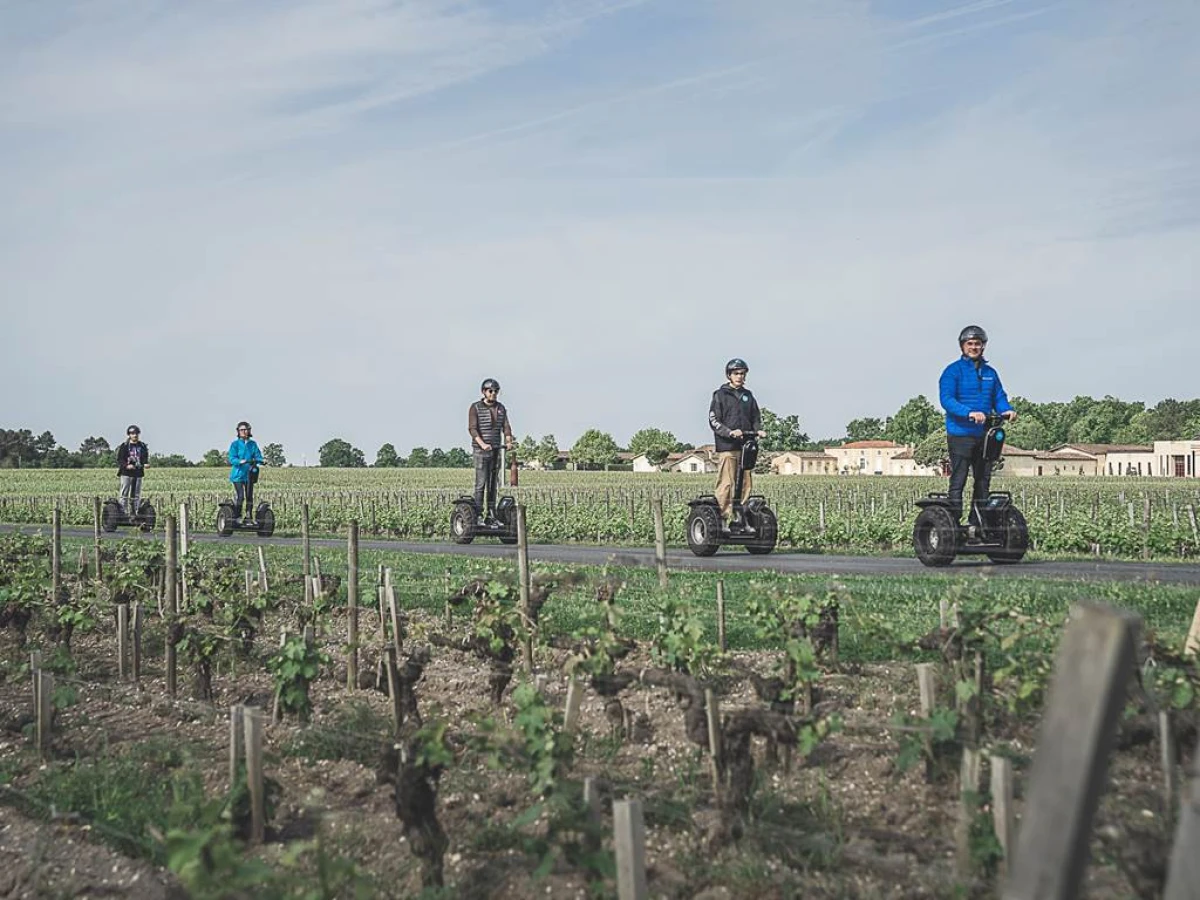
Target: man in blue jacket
x,y
244,460
970,391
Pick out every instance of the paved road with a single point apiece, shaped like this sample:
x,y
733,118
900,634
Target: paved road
x,y
731,560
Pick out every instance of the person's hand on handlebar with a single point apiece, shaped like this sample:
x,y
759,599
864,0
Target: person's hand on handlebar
x,y
485,446
977,417
1011,415
735,432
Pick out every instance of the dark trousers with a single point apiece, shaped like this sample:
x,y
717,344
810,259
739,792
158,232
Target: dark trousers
x,y
487,478
243,490
966,455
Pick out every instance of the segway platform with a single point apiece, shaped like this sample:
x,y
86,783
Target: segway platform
x,y
263,523
112,516
1002,534
754,526
467,521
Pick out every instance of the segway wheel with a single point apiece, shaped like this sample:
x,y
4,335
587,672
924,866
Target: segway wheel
x,y
935,536
767,526
225,519
265,516
111,515
1016,538
147,516
704,530
508,518
462,523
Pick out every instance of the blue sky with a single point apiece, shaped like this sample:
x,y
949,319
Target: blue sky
x,y
336,218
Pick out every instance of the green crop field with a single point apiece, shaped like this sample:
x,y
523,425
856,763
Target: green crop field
x,y
1119,517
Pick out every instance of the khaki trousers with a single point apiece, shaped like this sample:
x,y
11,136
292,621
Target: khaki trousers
x,y
727,463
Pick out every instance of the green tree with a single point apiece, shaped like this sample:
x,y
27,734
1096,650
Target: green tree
x,y
94,446
783,432
387,457
865,430
527,449
419,458
914,421
339,454
169,461
458,458
1028,433
595,449
933,451
1171,420
437,459
213,458
547,451
273,456
1103,421
654,442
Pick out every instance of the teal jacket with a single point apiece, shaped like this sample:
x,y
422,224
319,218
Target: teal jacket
x,y
244,455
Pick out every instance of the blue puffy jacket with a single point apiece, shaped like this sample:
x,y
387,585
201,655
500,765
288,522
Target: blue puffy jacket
x,y
965,388
243,454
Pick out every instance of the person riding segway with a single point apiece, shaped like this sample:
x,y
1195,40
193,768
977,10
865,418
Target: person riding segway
x,y
244,461
733,515
132,458
481,514
977,410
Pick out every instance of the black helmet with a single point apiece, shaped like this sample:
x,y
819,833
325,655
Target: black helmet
x,y
132,429
972,333
490,384
736,363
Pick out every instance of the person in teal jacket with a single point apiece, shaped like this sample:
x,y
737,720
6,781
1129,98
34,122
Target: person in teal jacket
x,y
970,391
244,460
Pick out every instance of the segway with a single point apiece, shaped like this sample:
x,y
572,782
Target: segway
x,y
754,523
467,520
1002,534
112,516
262,523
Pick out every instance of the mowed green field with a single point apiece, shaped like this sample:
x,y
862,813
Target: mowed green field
x,y
1119,517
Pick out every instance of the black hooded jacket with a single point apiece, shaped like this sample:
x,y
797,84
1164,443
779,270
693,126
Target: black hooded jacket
x,y
732,410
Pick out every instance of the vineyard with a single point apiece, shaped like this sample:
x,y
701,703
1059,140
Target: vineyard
x,y
1123,518
241,722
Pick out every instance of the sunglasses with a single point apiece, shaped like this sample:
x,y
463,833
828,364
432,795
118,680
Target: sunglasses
x,y
491,390
132,433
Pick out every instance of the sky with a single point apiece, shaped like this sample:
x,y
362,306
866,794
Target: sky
x,y
334,218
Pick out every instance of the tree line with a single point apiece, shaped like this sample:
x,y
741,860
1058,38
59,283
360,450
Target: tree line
x,y
1040,426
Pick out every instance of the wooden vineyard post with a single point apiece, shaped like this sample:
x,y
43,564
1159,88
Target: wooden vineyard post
x,y
262,570
1092,668
172,601
927,688
1191,646
523,577
968,803
306,543
1183,872
254,773
136,643
574,698
449,605
1191,511
237,740
43,695
183,552
713,715
389,591
629,840
352,604
393,680
122,641
660,542
96,536
1166,740
56,555
1003,813
721,643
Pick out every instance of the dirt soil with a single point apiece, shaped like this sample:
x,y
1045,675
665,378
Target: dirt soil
x,y
841,824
